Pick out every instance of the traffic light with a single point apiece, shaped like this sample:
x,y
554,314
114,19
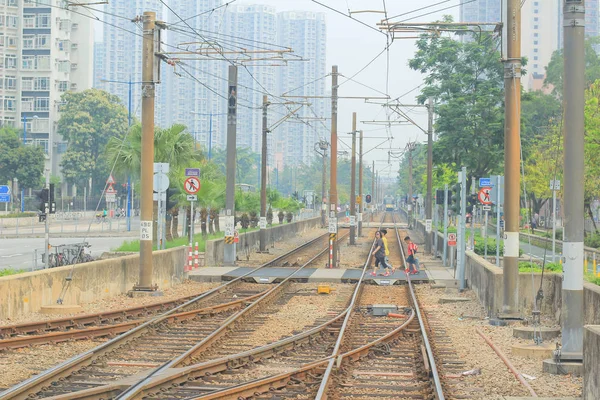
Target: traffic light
x,y
41,202
455,199
472,202
52,203
368,198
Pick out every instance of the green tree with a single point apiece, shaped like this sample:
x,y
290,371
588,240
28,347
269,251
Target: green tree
x,y
26,163
88,120
555,68
466,80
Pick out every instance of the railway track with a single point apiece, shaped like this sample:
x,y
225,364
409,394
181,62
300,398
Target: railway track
x,y
136,354
380,358
115,322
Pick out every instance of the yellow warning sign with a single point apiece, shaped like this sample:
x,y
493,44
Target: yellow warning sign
x,y
229,239
332,236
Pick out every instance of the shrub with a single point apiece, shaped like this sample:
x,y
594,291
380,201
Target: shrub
x,y
593,240
289,216
280,216
245,221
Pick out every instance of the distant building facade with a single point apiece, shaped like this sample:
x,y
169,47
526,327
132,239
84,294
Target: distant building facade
x,y
44,52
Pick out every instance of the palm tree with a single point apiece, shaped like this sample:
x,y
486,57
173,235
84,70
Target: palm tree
x,y
172,145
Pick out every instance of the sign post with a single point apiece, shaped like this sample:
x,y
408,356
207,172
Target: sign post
x,y
161,183
192,186
333,229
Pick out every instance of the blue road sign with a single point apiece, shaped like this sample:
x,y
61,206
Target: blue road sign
x,y
485,182
192,172
4,189
4,198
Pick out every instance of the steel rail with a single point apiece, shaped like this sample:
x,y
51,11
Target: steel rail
x,y
325,381
439,391
132,391
67,367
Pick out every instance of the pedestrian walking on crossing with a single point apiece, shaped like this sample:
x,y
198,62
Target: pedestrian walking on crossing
x,y
388,265
411,259
378,253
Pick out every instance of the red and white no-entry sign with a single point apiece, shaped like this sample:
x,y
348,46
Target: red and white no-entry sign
x,y
484,196
192,185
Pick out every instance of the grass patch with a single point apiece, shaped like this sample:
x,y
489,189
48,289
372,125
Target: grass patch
x,y
526,266
592,279
11,271
134,245
19,215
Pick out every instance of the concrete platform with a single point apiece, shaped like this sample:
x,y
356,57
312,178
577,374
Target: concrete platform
x,y
526,332
563,368
61,309
277,274
539,352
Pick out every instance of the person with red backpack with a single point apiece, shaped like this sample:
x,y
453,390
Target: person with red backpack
x,y
411,259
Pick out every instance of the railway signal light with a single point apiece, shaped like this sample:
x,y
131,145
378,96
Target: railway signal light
x,y
42,202
51,202
455,199
172,194
368,198
440,197
472,202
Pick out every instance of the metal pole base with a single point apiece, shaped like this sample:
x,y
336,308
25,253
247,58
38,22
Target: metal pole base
x,y
142,291
505,319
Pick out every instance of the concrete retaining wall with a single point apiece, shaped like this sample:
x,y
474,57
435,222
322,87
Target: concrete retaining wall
x,y
591,362
486,280
28,292
213,255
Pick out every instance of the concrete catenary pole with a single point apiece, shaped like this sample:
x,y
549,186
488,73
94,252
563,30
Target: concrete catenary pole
x,y
353,184
263,178
147,157
429,197
323,146
229,253
410,185
333,196
372,190
360,183
573,142
512,142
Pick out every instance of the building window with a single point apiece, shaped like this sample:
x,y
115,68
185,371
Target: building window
x,y
535,66
63,86
42,104
535,42
28,62
535,58
28,41
64,25
11,21
64,66
11,42
9,121
42,21
10,61
26,84
9,103
26,104
10,83
536,35
43,62
42,42
536,27
2,37
28,21
41,84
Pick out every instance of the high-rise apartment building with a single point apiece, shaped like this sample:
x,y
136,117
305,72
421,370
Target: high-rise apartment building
x,y
256,24
193,87
306,34
123,52
98,64
481,11
539,38
45,50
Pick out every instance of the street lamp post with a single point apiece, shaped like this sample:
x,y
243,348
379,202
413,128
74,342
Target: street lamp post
x,y
129,117
210,124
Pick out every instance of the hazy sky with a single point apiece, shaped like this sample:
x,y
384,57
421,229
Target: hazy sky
x,y
351,46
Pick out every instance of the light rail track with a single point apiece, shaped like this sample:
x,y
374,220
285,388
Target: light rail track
x,y
362,365
136,354
115,322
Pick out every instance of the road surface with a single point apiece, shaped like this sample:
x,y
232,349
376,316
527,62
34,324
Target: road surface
x,y
19,253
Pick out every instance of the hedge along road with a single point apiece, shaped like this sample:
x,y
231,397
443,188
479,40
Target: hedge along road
x,y
18,253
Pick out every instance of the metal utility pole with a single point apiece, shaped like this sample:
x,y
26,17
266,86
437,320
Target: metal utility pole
x,y
573,142
462,236
410,185
322,145
47,207
512,141
429,197
263,178
445,223
353,185
147,157
372,190
360,184
229,254
333,197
